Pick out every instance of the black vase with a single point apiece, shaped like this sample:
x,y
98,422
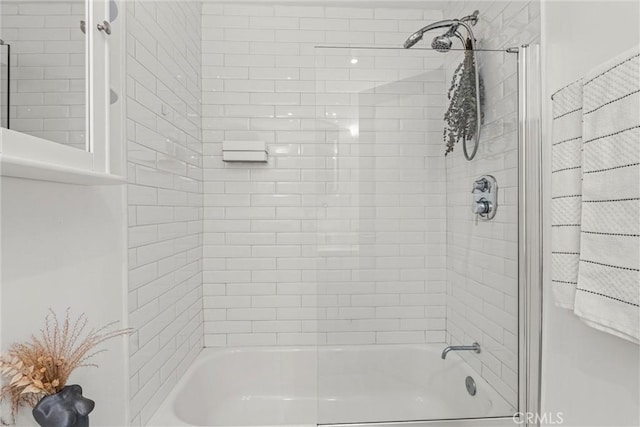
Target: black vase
x,y
67,408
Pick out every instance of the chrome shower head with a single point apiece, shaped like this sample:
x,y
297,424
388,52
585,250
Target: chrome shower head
x,y
442,43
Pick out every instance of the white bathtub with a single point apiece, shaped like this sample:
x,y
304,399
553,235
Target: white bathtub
x,y
357,384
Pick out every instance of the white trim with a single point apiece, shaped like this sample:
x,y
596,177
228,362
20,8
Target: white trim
x,y
29,169
31,148
98,85
30,157
118,129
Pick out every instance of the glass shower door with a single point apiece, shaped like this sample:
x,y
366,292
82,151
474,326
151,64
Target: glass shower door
x,y
405,267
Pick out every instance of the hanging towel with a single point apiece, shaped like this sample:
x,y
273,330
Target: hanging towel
x,y
566,192
608,290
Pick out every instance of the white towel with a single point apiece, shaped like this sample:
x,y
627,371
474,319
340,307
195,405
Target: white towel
x,y
608,290
566,192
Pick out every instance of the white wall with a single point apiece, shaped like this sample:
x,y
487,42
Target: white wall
x,y
47,69
63,246
164,152
380,271
482,256
591,377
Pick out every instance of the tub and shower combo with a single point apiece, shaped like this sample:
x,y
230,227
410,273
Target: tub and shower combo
x,y
443,328
357,384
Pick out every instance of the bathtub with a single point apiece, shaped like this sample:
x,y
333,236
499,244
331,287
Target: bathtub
x,y
280,386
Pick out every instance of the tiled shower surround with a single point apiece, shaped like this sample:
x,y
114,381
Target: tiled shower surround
x,y
380,245
165,197
357,230
343,238
330,235
482,257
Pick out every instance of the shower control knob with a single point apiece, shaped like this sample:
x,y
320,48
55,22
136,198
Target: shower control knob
x,y
482,207
484,195
481,185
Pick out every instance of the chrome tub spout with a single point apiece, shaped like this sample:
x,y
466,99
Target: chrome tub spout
x,y
474,347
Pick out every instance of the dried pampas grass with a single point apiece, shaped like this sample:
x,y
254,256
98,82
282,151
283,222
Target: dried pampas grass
x,y
42,366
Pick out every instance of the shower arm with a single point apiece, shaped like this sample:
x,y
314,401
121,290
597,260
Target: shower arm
x,y
415,37
439,24
450,23
462,39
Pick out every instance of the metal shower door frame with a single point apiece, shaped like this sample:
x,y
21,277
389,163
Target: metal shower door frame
x,y
6,121
530,253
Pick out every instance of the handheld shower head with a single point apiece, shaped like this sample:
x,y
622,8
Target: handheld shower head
x,y
444,42
413,39
417,36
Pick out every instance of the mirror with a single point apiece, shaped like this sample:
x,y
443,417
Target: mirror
x,y
43,83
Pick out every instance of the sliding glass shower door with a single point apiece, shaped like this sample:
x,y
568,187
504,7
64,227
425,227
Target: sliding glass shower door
x,y
405,268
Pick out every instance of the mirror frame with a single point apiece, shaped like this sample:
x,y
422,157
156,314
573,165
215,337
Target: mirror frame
x,y
26,156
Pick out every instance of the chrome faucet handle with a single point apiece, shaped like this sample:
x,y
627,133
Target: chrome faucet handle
x,y
482,185
482,207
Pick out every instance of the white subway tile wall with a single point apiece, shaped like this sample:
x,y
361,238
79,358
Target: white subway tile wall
x,y
164,147
47,69
340,238
482,257
381,219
